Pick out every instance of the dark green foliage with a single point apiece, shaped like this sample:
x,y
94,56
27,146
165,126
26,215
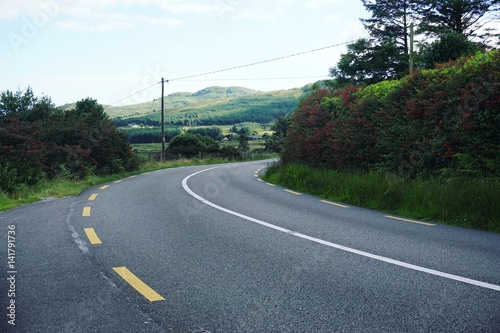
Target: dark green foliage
x,y
465,17
450,46
391,20
212,132
243,144
37,140
280,128
367,62
151,135
261,109
192,145
444,121
387,55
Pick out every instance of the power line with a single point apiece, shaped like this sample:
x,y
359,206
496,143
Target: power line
x,y
258,78
185,78
262,62
138,92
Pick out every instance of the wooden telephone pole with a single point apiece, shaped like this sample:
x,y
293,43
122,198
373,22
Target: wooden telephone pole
x,y
411,48
162,121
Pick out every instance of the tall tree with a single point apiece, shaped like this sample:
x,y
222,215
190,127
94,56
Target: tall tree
x,y
391,20
450,46
467,17
368,62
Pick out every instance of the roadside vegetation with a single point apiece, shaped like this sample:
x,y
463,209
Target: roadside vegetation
x,y
462,201
48,152
424,144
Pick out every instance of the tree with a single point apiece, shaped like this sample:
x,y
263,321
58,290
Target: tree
x,y
450,46
467,17
280,129
368,62
191,145
386,55
391,20
243,146
25,106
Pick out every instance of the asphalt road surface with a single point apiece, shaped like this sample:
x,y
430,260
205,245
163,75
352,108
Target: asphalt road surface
x,y
216,249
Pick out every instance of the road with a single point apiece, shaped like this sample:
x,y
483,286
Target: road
x,y
216,249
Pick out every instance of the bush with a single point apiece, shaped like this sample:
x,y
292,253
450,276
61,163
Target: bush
x,y
435,122
191,145
38,141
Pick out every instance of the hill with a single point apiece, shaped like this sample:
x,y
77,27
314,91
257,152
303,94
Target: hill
x,y
211,106
180,100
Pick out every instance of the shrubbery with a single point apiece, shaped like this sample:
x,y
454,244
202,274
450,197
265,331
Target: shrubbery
x,y
195,145
444,120
38,140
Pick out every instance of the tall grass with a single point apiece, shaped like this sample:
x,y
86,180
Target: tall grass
x,y
468,202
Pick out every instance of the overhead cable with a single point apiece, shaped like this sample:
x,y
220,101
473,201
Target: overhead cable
x,y
261,62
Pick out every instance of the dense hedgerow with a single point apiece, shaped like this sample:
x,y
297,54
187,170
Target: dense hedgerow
x,y
444,120
39,141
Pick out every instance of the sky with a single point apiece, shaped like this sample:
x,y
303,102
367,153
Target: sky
x,y
116,51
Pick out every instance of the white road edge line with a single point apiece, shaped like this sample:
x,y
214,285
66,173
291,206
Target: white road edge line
x,y
333,245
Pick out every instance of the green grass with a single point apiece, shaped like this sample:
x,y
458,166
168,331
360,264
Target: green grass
x,y
59,188
467,202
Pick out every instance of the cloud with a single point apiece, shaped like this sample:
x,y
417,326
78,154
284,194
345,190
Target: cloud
x,y
73,25
96,22
12,9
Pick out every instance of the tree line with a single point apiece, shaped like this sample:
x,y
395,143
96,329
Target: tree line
x,y
445,30
263,109
40,141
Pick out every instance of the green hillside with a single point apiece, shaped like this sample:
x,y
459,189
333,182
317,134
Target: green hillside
x,y
211,106
180,100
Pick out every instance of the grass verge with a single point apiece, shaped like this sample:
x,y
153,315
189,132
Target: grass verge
x,y
59,188
467,202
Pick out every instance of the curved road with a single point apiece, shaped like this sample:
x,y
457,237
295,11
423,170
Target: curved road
x,y
216,249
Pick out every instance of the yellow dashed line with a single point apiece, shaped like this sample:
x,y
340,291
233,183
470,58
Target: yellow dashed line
x,y
92,197
335,204
118,181
138,285
411,221
131,177
92,236
86,211
293,192
104,187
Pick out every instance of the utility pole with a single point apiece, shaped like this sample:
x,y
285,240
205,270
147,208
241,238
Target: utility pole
x,y
411,48
162,121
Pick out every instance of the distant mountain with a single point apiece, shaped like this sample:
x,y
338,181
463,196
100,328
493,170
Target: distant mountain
x,y
212,106
180,100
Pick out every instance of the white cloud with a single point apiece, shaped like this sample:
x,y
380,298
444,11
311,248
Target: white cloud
x,y
12,9
95,22
73,25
